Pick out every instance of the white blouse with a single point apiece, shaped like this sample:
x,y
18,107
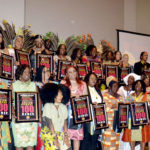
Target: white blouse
x,y
95,97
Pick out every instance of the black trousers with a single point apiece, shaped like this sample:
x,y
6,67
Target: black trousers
x,y
90,142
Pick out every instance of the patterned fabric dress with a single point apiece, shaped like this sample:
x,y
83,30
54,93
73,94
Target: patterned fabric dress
x,y
4,126
110,139
58,117
25,134
131,133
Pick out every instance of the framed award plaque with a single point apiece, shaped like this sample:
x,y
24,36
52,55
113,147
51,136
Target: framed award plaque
x,y
5,105
123,115
139,113
100,116
147,73
22,57
6,67
82,70
111,70
61,71
97,68
26,106
124,72
81,109
45,60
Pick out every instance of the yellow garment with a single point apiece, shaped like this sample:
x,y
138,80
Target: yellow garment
x,y
48,139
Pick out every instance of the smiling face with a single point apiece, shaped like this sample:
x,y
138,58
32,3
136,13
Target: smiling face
x,y
93,52
71,73
92,80
118,56
19,43
59,97
114,88
26,75
130,80
138,87
62,50
125,58
38,43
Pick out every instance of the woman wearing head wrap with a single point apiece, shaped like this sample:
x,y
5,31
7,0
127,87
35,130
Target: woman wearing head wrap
x,y
110,139
126,90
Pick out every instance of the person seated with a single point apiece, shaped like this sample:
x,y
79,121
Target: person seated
x,y
142,65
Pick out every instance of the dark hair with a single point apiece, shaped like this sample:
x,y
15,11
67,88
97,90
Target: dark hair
x,y
49,92
89,49
37,36
108,53
142,83
74,53
87,77
120,54
19,71
66,93
2,45
39,74
112,82
58,50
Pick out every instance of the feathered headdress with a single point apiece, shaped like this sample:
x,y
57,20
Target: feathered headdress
x,y
81,42
54,39
106,46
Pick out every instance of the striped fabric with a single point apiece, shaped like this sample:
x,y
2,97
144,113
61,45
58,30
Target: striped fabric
x,y
110,139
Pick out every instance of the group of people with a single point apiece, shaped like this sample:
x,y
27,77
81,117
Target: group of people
x,y
56,128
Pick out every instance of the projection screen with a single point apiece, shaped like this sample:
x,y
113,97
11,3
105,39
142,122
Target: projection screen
x,y
133,44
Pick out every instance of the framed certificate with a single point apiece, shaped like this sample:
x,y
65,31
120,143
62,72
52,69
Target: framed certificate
x,y
5,105
124,72
22,57
81,109
82,70
6,67
26,106
97,68
123,115
147,73
139,113
111,70
45,60
99,116
62,65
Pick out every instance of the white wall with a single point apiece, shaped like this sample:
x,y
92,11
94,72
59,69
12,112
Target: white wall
x,y
12,11
130,15
143,16
101,18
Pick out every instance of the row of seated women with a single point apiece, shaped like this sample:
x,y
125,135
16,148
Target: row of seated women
x,y
57,130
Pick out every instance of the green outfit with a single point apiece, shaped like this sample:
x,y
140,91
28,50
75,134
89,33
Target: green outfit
x,y
25,134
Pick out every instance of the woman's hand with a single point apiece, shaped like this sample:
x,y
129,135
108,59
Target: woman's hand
x,y
66,140
57,143
95,103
